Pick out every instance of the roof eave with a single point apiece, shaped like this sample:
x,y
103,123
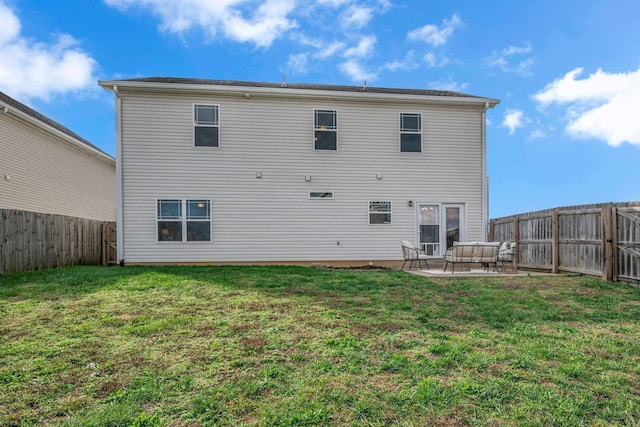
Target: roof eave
x,y
296,92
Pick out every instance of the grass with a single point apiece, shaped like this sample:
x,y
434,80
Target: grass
x,y
295,346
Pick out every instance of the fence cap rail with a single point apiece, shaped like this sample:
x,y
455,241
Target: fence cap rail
x,y
35,241
600,239
545,212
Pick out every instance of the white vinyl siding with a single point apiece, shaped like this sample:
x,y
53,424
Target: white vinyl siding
x,y
272,218
42,172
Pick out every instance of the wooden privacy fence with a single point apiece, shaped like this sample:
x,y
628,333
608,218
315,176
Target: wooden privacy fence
x,y
109,247
34,241
600,240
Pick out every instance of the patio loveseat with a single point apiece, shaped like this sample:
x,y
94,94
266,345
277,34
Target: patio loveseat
x,y
485,253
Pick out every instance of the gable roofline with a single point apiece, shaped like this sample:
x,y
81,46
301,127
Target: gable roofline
x,y
10,105
296,89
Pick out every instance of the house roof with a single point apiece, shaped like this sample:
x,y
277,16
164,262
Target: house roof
x,y
44,120
284,85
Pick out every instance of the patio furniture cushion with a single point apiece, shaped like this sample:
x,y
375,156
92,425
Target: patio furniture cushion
x,y
472,252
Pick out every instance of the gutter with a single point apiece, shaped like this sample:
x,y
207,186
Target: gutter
x,y
295,92
485,178
119,195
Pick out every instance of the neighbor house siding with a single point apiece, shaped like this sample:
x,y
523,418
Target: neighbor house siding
x,y
42,172
272,218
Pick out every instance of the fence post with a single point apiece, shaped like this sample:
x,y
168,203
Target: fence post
x,y
614,243
492,226
516,239
607,244
555,242
104,243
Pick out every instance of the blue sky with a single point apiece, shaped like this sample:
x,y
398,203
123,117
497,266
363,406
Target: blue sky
x,y
567,72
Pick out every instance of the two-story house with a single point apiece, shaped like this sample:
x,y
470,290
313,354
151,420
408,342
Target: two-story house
x,y
214,171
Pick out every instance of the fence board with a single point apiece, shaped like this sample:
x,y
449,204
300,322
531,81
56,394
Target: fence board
x,y
35,241
601,240
628,236
109,237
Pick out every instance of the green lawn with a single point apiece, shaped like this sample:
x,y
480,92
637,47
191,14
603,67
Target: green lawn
x,y
292,346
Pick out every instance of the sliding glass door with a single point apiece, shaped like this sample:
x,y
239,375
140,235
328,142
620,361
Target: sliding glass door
x,y
439,226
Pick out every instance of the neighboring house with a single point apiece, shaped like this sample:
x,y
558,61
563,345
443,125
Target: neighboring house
x,y
45,167
216,171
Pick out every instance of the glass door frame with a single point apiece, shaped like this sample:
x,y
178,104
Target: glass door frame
x,y
442,213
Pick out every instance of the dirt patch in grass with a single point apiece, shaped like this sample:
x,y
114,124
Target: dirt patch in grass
x,y
254,344
365,267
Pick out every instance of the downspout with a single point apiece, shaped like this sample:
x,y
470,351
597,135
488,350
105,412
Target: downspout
x,y
485,178
120,197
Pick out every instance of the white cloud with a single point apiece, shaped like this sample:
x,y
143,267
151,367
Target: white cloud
x,y
385,4
513,119
329,50
407,63
356,72
9,24
512,59
262,22
259,23
298,64
448,85
333,3
599,86
356,17
536,134
435,35
38,70
363,49
302,63
602,106
353,67
433,61
517,50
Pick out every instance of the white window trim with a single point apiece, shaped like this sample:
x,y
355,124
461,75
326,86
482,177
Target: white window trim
x,y
313,138
193,129
322,198
369,212
400,133
183,219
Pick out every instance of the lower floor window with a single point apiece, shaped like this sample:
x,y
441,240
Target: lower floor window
x,y
184,220
379,212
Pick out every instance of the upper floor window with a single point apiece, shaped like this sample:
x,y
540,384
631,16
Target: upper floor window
x,y
410,132
206,120
325,134
184,220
